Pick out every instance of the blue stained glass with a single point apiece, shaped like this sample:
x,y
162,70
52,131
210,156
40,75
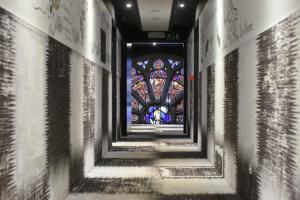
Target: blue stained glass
x,y
143,64
168,118
147,119
152,109
157,115
173,63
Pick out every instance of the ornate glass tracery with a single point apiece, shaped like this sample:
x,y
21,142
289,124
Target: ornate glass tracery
x,y
157,90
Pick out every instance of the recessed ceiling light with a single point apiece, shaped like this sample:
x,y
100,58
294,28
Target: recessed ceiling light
x,y
129,45
154,43
181,5
128,5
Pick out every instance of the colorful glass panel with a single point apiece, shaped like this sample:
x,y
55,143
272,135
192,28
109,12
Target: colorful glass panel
x,y
158,115
135,118
179,107
179,119
136,79
182,72
158,80
179,79
158,87
174,90
159,74
158,64
135,104
142,89
155,72
133,72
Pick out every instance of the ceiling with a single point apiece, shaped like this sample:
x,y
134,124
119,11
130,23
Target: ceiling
x,y
155,15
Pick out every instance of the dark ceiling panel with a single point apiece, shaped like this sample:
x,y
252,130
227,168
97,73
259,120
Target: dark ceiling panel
x,y
183,18
127,18
129,22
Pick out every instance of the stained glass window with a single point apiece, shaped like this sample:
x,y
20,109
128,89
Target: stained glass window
x,y
158,115
158,64
135,104
179,107
142,90
179,119
173,63
174,90
157,90
135,118
143,64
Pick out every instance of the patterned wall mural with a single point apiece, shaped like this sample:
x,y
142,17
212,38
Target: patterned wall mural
x,y
7,106
261,152
58,103
277,70
231,103
48,178
89,117
210,99
210,104
58,109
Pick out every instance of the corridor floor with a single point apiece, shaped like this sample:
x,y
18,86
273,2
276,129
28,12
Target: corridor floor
x,y
170,168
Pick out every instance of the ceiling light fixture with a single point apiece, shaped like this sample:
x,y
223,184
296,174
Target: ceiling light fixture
x,y
181,5
128,5
154,43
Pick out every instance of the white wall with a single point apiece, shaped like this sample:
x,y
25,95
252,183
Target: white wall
x,y
226,25
30,108
75,23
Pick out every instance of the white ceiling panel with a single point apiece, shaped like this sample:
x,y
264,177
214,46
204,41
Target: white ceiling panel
x,y
155,14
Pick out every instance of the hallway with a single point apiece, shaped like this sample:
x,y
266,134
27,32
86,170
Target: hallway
x,y
149,100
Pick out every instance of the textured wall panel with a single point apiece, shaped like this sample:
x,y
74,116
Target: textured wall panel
x,y
58,117
231,115
7,106
277,51
211,112
89,113
58,102
89,100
